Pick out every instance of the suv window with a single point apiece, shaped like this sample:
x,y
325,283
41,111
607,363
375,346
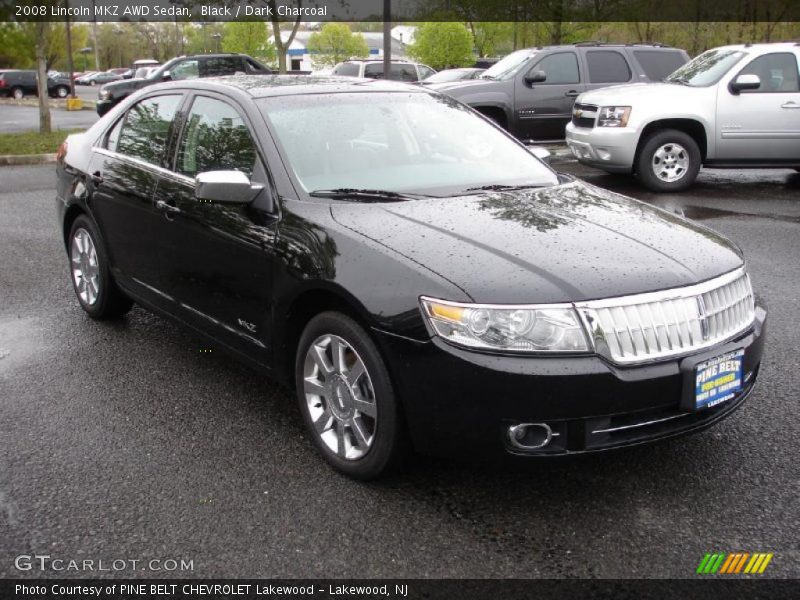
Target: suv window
x,y
425,72
373,70
560,68
777,71
607,66
215,138
145,128
346,69
657,64
216,66
403,72
186,69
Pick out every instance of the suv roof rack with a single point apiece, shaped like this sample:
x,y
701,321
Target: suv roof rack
x,y
654,44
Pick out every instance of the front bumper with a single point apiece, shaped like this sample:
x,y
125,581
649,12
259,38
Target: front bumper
x,y
459,402
606,148
103,106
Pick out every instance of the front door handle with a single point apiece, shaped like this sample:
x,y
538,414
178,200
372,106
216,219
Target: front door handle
x,y
790,104
97,178
167,208
572,94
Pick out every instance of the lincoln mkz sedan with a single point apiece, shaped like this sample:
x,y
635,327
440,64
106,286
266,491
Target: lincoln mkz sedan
x,y
421,279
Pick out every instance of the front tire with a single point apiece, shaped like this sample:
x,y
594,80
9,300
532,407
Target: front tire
x,y
669,161
96,290
18,93
62,92
346,398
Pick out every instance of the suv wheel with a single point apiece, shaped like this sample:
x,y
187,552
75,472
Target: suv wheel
x,y
97,292
669,161
18,93
62,91
346,398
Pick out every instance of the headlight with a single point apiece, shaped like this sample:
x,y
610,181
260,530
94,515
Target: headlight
x,y
103,95
613,116
506,327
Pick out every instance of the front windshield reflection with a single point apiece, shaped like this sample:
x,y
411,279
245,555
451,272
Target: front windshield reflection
x,y
396,141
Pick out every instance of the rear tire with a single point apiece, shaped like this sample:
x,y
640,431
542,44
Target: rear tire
x,y
94,286
62,92
668,161
17,93
348,403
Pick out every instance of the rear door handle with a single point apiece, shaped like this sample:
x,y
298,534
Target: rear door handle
x,y
167,208
572,94
790,104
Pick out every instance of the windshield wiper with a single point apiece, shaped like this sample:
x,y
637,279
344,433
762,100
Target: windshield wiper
x,y
499,187
366,194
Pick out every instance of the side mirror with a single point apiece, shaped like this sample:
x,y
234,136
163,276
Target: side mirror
x,y
225,187
745,82
542,154
535,77
166,76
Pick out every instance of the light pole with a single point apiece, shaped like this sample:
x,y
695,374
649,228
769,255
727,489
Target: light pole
x,y
216,37
85,51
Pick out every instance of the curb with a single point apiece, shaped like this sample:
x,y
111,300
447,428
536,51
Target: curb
x,y
10,160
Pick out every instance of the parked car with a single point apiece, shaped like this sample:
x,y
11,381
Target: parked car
x,y
449,75
369,68
531,92
119,71
138,64
19,83
83,79
731,107
99,78
182,67
413,270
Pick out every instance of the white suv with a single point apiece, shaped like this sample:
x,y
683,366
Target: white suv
x,y
400,70
731,107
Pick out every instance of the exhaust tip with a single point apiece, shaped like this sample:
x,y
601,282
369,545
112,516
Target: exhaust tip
x,y
530,436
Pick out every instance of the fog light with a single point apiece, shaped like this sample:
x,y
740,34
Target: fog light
x,y
530,436
603,154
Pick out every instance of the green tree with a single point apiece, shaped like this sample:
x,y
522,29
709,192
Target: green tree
x,y
334,43
248,37
443,45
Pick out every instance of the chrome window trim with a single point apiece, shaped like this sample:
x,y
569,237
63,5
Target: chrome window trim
x,y
144,164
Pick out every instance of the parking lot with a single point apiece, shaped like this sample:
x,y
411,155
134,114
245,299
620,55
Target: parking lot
x,y
132,440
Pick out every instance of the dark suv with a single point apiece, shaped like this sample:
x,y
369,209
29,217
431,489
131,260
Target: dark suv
x,y
18,84
182,67
531,92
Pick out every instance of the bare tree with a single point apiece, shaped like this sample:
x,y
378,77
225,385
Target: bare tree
x,y
282,47
41,28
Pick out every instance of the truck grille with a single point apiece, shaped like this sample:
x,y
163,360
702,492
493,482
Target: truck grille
x,y
658,325
584,115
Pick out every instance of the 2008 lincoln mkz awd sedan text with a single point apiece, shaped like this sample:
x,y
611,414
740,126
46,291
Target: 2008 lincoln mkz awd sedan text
x,y
420,277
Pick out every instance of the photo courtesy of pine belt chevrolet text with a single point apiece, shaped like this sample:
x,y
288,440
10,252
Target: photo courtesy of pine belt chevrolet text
x,y
423,280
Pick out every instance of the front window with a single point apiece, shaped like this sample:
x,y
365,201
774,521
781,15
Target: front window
x,y
706,69
187,69
399,142
145,129
508,66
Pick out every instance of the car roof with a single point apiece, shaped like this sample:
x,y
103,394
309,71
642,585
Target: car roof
x,y
263,86
761,48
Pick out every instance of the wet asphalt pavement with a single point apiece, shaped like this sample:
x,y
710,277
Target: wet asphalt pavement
x,y
126,441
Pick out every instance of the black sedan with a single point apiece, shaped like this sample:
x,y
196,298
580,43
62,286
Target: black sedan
x,y
419,277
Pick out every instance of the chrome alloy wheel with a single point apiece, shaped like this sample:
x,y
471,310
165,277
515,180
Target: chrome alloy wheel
x,y
670,162
340,397
85,270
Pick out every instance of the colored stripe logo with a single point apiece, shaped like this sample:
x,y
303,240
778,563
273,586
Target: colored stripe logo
x,y
734,563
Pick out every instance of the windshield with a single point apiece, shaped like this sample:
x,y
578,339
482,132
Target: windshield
x,y
508,66
449,75
398,142
706,69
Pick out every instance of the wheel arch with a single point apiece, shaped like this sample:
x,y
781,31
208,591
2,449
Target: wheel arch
x,y
72,212
495,112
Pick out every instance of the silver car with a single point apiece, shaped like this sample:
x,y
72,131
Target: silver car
x,y
731,107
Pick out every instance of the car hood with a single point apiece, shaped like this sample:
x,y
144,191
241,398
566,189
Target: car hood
x,y
565,243
453,88
631,94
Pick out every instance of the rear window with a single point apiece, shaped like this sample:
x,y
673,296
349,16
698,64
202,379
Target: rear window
x,y
346,69
607,66
657,64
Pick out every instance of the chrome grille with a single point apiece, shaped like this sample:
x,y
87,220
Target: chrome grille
x,y
658,325
584,115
